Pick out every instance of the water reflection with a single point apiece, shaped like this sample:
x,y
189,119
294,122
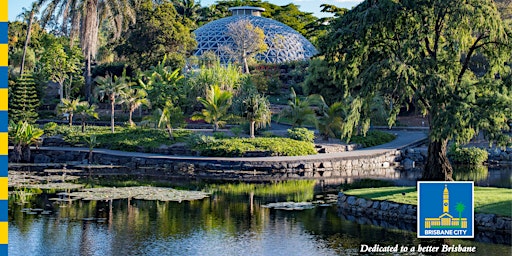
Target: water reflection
x,y
224,224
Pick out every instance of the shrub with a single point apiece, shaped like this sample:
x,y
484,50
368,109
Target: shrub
x,y
373,138
50,129
471,155
301,134
236,147
219,135
237,130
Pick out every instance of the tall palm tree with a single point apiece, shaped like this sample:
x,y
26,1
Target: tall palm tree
x,y
84,110
84,18
33,11
300,111
257,111
332,120
133,98
111,88
68,106
216,104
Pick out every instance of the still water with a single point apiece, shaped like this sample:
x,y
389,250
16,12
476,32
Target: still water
x,y
222,224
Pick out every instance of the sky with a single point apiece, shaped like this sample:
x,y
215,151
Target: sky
x,y
16,6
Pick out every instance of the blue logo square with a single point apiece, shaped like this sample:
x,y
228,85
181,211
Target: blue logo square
x,y
445,209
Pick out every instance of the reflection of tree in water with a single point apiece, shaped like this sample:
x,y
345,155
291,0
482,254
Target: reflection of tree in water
x,y
470,172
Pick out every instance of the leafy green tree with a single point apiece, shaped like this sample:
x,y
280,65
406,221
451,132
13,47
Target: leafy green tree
x,y
22,135
85,110
68,106
216,105
300,111
257,112
82,19
162,84
111,88
332,119
134,98
158,32
248,40
23,100
170,117
419,52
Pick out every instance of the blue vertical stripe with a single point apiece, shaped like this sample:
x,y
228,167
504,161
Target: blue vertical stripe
x,y
4,204
4,126
3,77
3,167
3,33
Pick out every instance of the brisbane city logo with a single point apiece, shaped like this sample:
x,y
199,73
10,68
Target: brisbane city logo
x,y
445,209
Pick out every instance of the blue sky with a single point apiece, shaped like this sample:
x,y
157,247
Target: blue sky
x,y
16,6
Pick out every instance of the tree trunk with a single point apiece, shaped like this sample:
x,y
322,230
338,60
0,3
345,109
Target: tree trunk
x,y
83,125
169,131
16,153
87,75
70,119
61,90
252,129
130,118
215,126
25,154
27,40
438,166
112,108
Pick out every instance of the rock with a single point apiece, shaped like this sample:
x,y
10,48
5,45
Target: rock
x,y
376,205
384,206
410,151
351,200
408,164
40,158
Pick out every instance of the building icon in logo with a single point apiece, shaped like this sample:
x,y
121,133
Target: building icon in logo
x,y
446,220
452,202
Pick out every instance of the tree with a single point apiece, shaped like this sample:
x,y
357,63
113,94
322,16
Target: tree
x,y
300,111
82,19
85,110
112,88
332,120
257,112
460,208
23,100
68,106
158,32
133,98
216,105
22,135
33,11
419,52
248,41
170,116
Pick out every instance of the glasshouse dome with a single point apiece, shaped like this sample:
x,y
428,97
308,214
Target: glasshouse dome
x,y
284,43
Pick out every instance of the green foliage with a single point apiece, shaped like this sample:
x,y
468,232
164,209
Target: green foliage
x,y
112,88
69,107
22,135
300,111
237,147
470,155
301,134
23,100
216,105
257,111
50,129
220,135
373,138
293,190
319,80
237,130
331,122
158,31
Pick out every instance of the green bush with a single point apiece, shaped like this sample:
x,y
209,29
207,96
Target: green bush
x,y
236,147
373,138
301,134
219,135
50,129
471,155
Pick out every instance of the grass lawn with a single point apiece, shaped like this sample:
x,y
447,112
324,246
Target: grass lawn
x,y
487,200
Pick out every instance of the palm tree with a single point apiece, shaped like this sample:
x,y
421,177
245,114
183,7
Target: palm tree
x,y
84,110
300,111
68,106
257,111
112,87
332,120
84,18
460,208
22,135
34,10
188,9
170,116
133,98
216,104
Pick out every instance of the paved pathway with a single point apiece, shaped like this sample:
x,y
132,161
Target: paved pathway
x,y
404,139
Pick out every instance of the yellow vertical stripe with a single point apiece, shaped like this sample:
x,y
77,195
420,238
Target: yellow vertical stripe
x,y
3,55
4,96
4,229
4,144
4,194
3,10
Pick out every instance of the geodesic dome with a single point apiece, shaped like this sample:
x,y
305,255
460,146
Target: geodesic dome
x,y
284,43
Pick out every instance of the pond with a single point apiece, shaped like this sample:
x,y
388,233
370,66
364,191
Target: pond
x,y
231,221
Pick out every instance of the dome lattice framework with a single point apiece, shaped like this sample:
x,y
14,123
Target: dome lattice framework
x,y
284,43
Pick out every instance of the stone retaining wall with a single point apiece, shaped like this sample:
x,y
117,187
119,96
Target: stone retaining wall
x,y
406,213
378,165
